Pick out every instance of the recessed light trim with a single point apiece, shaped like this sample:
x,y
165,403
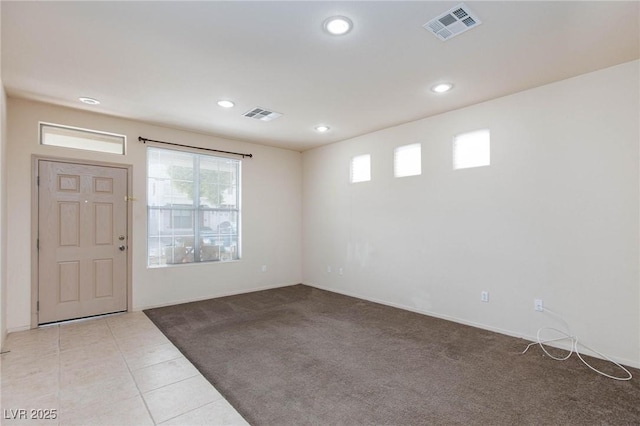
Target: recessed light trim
x,y
322,128
442,87
226,104
337,25
89,101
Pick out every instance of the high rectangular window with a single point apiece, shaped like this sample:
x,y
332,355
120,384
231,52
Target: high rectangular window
x,y
472,149
89,140
407,160
193,207
361,168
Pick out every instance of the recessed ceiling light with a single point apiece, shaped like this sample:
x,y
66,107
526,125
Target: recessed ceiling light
x,y
89,101
322,128
442,87
226,104
338,25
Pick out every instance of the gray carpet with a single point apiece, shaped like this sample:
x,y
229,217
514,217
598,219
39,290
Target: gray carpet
x,y
303,356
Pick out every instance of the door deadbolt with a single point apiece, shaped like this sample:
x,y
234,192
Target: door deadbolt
x,y
121,237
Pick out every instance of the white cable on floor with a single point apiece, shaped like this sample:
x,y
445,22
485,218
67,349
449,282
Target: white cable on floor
x,y
574,348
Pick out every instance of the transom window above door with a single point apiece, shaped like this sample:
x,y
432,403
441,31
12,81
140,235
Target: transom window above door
x,y
85,139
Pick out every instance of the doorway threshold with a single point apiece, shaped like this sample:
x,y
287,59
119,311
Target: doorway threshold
x,y
75,320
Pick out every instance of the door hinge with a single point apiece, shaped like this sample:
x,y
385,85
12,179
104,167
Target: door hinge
x,y
38,180
38,244
38,306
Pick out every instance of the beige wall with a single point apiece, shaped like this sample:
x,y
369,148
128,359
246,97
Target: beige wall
x,y
271,218
3,206
3,214
555,216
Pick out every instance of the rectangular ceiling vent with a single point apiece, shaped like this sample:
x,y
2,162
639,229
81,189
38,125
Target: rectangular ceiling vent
x,y
262,114
453,22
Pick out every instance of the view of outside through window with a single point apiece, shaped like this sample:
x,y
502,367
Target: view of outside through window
x,y
193,204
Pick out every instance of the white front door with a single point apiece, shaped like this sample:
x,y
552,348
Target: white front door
x,y
82,231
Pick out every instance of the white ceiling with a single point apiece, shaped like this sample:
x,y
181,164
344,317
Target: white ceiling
x,y
170,62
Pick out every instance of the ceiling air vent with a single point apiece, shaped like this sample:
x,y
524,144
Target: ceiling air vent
x,y
453,22
262,114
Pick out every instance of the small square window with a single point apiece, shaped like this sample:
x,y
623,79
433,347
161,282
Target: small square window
x,y
471,149
407,160
361,168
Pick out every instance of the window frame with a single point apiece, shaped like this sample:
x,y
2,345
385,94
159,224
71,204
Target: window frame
x,y
197,210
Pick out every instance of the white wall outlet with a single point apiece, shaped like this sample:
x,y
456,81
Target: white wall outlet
x,y
537,305
340,271
264,268
328,269
484,296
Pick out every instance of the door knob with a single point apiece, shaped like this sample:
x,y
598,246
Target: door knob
x,y
121,248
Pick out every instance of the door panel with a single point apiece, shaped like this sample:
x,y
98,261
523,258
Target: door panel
x,y
69,280
103,277
82,214
69,223
104,215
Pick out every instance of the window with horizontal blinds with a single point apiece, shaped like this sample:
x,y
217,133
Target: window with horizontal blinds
x,y
407,160
472,149
361,168
193,206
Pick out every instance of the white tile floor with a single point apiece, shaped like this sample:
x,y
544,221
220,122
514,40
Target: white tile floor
x,y
117,370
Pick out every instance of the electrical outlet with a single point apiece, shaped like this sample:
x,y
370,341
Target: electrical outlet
x,y
340,271
484,296
537,305
328,269
264,268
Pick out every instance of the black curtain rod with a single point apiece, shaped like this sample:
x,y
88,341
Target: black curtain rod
x,y
145,140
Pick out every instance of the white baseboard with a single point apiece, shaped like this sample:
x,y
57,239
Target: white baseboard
x,y
528,338
212,296
18,329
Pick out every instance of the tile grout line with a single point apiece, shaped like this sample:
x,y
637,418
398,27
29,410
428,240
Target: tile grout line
x,y
183,380
59,390
113,328
179,381
199,373
168,384
159,362
195,408
164,386
190,411
131,374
